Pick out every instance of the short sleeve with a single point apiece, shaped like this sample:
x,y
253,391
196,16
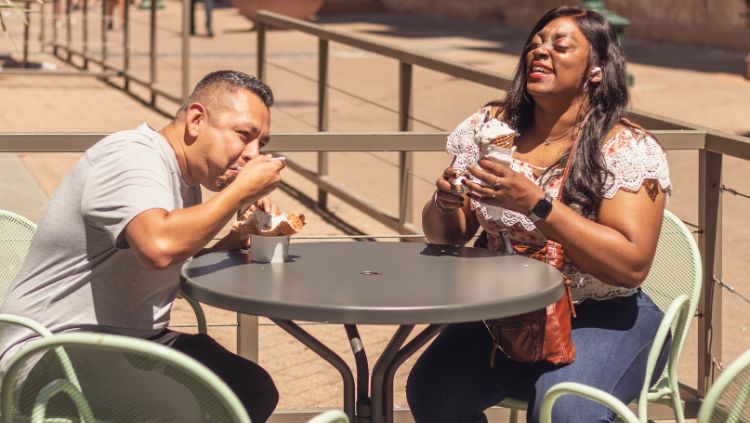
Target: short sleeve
x,y
122,183
634,156
461,141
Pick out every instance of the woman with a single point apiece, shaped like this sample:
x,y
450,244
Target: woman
x,y
570,84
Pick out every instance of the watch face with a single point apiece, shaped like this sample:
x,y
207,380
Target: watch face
x,y
542,208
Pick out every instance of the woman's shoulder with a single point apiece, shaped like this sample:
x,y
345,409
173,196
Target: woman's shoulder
x,y
627,136
632,155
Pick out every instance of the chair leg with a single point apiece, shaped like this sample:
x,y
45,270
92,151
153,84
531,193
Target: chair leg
x,y
513,415
679,414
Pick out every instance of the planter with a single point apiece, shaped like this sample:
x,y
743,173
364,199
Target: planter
x,y
300,9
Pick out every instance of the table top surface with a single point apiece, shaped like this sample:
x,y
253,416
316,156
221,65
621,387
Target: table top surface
x,y
374,283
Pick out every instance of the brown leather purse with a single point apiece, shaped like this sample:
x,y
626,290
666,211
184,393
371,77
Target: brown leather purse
x,y
544,334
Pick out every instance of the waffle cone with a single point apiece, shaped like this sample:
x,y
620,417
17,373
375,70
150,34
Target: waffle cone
x,y
504,141
290,225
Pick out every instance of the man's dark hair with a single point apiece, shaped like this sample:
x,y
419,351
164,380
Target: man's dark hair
x,y
209,90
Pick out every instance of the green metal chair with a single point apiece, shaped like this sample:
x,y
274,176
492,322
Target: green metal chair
x,y
122,379
674,283
728,400
15,237
585,391
16,233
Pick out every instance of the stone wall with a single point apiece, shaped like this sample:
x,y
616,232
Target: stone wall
x,y
719,23
514,12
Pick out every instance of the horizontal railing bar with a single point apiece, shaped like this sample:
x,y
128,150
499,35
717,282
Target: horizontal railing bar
x,y
451,68
734,146
681,139
46,72
648,120
51,142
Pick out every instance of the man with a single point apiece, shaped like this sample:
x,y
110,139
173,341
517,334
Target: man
x,y
107,253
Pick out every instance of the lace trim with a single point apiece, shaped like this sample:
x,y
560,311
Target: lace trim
x,y
587,287
633,156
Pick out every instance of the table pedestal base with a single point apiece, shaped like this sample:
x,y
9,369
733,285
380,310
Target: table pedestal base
x,y
373,405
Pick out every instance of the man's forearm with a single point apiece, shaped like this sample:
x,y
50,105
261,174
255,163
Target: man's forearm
x,y
162,238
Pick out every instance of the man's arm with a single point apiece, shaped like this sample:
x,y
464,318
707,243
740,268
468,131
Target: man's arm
x,y
161,238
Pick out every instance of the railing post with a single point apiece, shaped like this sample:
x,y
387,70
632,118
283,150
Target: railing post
x,y
26,6
54,26
185,49
126,47
85,47
42,26
68,29
322,114
247,336
105,24
260,27
406,159
709,216
152,50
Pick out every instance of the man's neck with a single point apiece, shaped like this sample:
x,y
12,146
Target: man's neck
x,y
174,134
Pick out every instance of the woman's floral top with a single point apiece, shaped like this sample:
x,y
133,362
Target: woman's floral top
x,y
632,156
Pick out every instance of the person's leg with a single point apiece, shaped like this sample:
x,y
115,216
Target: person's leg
x,y
452,381
612,341
252,384
208,7
192,16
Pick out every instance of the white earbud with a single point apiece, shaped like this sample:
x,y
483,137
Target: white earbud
x,y
595,71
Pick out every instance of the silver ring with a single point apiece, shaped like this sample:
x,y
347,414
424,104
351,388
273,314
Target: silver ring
x,y
497,184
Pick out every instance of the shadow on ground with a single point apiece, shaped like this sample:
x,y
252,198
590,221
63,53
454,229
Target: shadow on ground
x,y
505,39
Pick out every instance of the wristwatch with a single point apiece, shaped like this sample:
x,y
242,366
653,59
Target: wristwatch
x,y
542,209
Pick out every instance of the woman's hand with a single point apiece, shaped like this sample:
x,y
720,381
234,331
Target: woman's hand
x,y
449,195
446,218
503,187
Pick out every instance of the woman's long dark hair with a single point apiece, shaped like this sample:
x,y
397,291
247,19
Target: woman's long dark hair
x,y
607,99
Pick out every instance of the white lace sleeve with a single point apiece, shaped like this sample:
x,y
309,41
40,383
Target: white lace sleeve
x,y
461,141
633,156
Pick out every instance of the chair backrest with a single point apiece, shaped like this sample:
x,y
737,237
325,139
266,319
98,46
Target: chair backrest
x,y
121,379
727,400
15,237
676,270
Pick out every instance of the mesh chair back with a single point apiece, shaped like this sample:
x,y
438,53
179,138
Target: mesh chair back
x,y
728,399
121,379
15,237
676,270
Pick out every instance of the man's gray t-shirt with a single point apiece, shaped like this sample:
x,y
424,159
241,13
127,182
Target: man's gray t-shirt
x,y
79,273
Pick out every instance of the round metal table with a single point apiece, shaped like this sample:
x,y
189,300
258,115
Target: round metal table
x,y
373,283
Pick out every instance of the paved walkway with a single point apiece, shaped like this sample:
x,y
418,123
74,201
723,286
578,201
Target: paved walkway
x,y
690,83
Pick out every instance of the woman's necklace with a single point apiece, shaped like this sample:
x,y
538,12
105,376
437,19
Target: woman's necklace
x,y
550,140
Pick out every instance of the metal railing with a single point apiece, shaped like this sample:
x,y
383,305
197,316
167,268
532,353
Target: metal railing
x,y
64,50
712,146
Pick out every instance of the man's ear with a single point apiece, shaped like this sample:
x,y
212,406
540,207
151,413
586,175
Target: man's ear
x,y
196,117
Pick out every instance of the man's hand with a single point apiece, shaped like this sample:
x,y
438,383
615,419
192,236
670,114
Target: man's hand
x,y
257,179
234,240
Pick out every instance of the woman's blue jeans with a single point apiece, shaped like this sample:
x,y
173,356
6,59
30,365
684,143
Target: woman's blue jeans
x,y
453,381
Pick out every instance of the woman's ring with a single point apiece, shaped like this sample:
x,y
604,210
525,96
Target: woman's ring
x,y
497,184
